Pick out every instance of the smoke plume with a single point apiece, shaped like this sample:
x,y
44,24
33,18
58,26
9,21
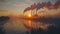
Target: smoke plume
x,y
47,5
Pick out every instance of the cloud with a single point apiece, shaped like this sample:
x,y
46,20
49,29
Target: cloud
x,y
3,10
3,0
19,4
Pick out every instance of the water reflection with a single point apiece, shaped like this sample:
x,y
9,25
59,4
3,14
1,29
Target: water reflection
x,y
22,26
14,26
36,25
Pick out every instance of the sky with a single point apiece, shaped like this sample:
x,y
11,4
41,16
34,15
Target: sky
x,y
15,7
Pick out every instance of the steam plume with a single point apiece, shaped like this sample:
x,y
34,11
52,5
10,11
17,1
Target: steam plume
x,y
47,5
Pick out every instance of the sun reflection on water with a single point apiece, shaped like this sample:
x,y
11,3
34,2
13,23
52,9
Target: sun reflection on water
x,y
36,25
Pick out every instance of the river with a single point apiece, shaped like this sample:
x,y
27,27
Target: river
x,y
22,26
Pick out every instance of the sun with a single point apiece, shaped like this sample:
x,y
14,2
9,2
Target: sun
x,y
29,15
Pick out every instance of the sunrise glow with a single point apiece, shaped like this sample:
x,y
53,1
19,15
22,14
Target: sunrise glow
x,y
29,15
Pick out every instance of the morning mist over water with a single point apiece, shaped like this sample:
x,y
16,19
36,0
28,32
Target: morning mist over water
x,y
29,16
